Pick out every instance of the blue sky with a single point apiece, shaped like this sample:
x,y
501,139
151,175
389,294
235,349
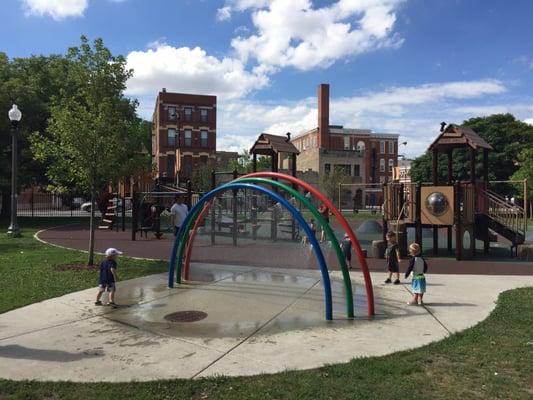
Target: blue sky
x,y
399,66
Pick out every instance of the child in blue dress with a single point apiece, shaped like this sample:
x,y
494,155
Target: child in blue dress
x,y
418,267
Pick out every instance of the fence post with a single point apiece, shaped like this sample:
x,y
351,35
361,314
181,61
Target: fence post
x,y
133,215
123,213
33,200
235,224
189,193
214,207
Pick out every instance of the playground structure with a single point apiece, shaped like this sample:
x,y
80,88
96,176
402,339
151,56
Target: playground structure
x,y
469,208
180,256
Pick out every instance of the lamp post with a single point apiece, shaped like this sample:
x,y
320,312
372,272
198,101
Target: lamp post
x,y
14,116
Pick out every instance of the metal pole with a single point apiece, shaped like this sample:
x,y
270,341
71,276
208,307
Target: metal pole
x,y
13,229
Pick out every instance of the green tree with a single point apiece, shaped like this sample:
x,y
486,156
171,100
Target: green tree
x,y
329,183
93,133
507,135
244,164
31,83
525,171
201,178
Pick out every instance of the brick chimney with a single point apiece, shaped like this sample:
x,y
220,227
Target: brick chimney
x,y
323,115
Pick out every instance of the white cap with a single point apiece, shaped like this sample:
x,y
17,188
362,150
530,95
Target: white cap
x,y
112,252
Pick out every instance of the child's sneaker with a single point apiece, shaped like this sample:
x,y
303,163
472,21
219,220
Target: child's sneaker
x,y
388,280
112,304
412,303
98,303
397,282
421,303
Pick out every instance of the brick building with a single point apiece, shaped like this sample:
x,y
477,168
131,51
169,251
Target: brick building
x,y
366,156
183,134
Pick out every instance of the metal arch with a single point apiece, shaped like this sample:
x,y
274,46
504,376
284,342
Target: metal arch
x,y
181,238
340,219
316,214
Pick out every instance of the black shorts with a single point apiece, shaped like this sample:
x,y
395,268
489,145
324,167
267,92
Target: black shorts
x,y
393,268
348,255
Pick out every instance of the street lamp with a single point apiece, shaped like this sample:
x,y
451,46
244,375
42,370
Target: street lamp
x,y
14,116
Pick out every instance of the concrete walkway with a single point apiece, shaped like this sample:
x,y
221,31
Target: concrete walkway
x,y
256,321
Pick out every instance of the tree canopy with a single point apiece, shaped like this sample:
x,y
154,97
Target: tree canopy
x,y
93,137
507,135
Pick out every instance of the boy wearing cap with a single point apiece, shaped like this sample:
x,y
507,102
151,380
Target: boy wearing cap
x,y
108,276
346,247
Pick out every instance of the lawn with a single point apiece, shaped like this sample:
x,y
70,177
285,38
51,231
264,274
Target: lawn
x,y
28,268
493,360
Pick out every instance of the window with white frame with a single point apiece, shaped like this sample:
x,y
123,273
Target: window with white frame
x,y
188,137
391,147
381,165
204,115
391,164
356,170
204,138
382,147
188,114
172,113
346,142
171,137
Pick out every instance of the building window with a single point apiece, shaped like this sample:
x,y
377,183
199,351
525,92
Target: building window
x,y
382,164
203,138
171,137
188,114
382,147
356,170
204,115
187,166
327,168
391,147
346,142
188,137
172,113
391,165
346,169
203,160
171,165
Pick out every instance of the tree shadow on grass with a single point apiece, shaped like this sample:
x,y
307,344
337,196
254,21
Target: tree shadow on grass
x,y
26,353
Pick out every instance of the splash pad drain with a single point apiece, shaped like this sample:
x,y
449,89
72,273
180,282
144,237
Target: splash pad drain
x,y
186,316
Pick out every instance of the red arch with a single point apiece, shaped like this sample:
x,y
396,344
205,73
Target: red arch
x,y
327,203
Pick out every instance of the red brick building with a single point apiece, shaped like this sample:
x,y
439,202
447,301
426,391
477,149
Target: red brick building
x,y
368,157
183,134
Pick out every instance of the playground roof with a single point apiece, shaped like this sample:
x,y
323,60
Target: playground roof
x,y
459,136
268,144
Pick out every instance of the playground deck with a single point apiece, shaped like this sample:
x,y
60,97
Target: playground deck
x,y
276,255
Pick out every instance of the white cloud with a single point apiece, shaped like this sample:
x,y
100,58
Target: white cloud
x,y
224,13
57,9
413,112
529,121
191,70
294,33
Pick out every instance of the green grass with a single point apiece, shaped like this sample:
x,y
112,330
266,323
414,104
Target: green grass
x,y
493,360
28,268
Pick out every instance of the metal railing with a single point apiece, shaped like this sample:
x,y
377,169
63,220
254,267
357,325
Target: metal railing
x,y
511,216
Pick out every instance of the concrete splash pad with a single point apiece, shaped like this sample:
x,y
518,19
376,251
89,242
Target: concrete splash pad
x,y
246,321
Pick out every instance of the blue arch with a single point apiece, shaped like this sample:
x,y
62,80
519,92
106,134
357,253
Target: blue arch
x,y
296,215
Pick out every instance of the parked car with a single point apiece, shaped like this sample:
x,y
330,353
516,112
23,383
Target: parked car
x,y
77,202
87,206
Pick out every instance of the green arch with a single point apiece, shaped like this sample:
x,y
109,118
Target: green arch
x,y
327,229
329,232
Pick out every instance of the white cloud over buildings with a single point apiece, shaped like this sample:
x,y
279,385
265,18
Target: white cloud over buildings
x,y
57,9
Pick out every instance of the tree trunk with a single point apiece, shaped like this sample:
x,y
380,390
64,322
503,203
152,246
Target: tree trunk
x,y
91,230
6,203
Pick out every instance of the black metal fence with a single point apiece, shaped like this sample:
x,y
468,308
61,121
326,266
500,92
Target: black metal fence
x,y
34,202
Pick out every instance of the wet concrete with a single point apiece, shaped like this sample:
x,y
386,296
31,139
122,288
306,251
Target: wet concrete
x,y
258,321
